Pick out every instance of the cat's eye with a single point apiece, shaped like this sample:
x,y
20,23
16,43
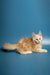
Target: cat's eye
x,y
36,39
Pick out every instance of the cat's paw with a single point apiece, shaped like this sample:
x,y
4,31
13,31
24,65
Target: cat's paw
x,y
45,50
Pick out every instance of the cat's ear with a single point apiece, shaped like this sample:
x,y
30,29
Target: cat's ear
x,y
33,35
40,34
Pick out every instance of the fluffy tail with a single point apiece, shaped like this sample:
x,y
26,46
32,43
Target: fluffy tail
x,y
8,46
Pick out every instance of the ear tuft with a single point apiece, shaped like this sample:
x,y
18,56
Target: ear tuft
x,y
40,33
33,35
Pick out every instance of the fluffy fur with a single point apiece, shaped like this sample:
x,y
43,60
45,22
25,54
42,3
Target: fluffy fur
x,y
27,45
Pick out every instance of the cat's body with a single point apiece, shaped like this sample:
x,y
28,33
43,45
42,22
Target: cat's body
x,y
27,45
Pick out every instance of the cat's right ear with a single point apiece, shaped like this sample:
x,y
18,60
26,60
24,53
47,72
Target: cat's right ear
x,y
33,35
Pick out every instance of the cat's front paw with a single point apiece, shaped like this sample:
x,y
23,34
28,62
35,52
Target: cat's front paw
x,y
45,50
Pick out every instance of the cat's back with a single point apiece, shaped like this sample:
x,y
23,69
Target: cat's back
x,y
25,42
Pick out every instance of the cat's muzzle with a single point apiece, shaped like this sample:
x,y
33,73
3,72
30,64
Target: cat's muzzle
x,y
37,42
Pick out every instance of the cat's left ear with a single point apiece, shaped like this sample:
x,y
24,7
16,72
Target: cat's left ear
x,y
40,34
33,35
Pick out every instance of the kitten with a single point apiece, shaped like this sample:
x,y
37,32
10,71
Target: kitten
x,y
27,45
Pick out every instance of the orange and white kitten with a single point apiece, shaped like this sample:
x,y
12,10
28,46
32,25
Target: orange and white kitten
x,y
27,45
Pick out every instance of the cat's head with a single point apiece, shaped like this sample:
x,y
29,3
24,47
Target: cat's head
x,y
37,38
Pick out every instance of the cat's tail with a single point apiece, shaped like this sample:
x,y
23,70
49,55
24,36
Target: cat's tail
x,y
8,46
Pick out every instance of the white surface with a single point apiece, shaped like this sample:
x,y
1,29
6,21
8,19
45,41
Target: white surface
x,y
46,41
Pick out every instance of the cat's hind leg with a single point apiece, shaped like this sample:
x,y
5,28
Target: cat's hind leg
x,y
24,52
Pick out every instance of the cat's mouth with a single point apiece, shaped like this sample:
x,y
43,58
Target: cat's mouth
x,y
37,42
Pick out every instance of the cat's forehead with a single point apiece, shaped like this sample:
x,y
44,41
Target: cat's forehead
x,y
37,36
